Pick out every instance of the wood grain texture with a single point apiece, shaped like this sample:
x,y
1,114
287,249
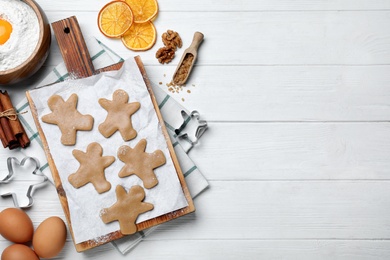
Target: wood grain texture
x,y
284,38
73,48
296,151
288,188
301,94
281,214
230,5
234,249
285,210
263,249
272,38
284,93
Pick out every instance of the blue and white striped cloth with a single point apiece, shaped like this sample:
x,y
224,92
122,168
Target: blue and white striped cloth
x,y
102,56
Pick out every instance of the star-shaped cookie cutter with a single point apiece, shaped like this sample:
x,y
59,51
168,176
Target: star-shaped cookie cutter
x,y
31,188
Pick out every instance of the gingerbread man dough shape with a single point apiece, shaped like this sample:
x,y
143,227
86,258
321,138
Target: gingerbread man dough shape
x,y
126,209
91,170
67,118
140,163
119,115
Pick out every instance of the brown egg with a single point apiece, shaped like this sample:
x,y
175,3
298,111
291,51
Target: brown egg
x,y
16,225
49,238
18,252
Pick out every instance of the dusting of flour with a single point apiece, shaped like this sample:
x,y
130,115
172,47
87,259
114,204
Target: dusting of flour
x,y
25,33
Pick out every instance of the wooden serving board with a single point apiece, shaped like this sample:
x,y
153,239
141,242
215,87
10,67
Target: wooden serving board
x,y
78,62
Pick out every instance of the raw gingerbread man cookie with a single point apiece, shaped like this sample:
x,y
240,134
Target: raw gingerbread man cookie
x,y
140,163
67,118
126,209
91,170
119,115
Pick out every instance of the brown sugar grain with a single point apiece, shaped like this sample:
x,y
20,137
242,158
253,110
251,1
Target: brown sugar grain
x,y
183,70
174,88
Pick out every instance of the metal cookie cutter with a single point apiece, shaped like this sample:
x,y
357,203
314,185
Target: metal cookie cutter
x,y
201,128
31,188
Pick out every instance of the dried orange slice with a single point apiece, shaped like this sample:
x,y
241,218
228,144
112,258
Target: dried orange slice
x,y
143,10
115,18
140,36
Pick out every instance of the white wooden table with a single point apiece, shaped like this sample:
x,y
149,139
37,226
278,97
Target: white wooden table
x,y
297,96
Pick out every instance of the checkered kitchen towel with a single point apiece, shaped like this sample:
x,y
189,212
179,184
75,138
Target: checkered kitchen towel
x,y
102,56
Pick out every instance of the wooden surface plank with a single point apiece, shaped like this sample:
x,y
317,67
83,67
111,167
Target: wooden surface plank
x,y
303,93
229,5
272,38
285,210
268,210
270,249
291,151
295,151
266,70
247,249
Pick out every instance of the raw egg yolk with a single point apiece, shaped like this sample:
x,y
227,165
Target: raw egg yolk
x,y
5,31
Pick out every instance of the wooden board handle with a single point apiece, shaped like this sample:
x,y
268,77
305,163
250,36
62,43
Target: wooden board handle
x,y
73,48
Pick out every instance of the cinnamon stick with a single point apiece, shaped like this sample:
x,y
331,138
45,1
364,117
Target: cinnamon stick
x,y
2,137
24,141
9,138
15,125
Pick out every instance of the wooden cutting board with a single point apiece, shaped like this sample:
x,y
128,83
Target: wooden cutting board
x,y
78,63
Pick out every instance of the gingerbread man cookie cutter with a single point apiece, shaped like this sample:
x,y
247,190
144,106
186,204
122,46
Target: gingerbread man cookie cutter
x,y
201,128
31,188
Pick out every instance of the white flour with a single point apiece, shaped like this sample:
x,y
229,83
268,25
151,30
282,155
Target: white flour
x,y
25,33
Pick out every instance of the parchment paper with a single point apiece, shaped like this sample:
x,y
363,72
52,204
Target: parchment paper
x,y
85,203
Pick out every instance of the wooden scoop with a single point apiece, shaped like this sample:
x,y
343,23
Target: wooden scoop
x,y
187,61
